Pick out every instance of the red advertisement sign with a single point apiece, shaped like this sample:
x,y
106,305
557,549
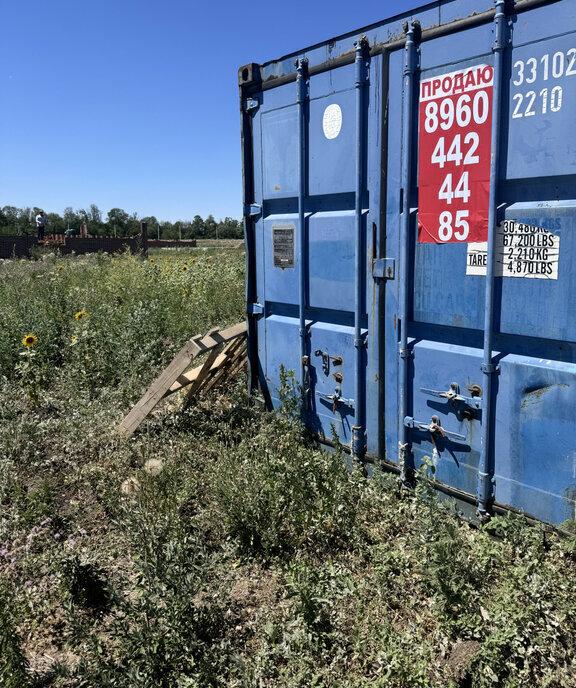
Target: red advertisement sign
x,y
454,156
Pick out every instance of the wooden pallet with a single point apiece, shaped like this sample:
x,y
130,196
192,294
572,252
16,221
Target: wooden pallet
x,y
226,356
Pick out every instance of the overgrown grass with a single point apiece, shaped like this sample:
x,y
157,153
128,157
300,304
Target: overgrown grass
x,y
219,546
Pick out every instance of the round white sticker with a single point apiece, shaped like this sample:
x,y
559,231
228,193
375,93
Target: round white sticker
x,y
332,121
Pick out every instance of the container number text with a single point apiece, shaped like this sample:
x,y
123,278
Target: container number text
x,y
546,68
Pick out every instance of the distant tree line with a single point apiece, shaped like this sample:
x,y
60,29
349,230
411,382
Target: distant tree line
x,y
117,223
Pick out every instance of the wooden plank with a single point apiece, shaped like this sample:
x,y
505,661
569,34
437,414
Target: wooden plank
x,y
203,371
189,377
241,363
205,367
156,390
208,334
183,381
227,356
223,372
163,384
228,351
209,342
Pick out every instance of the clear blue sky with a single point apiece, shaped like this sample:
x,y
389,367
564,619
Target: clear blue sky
x,y
134,103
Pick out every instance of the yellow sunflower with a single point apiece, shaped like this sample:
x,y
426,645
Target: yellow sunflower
x,y
81,315
184,268
60,268
30,340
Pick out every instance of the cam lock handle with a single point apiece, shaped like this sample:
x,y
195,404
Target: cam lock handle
x,y
337,399
453,395
433,427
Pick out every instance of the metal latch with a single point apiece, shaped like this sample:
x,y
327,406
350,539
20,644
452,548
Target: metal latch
x,y
326,360
383,268
336,399
453,395
433,427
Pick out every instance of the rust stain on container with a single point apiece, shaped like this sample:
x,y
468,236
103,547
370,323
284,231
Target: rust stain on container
x,y
535,394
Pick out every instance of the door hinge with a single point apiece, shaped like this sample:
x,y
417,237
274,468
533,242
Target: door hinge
x,y
254,308
251,104
252,210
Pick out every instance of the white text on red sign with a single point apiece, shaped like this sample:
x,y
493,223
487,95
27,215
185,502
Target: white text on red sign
x,y
454,155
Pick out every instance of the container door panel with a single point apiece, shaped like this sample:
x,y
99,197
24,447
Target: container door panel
x,y
445,379
280,152
533,445
329,253
454,451
540,303
541,104
332,143
535,467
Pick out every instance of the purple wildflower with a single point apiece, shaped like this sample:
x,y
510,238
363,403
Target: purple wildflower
x,y
57,536
28,583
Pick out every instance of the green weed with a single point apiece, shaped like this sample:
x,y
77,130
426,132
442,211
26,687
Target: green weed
x,y
220,546
13,663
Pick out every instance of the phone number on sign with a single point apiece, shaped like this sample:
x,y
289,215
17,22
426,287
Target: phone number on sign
x,y
454,160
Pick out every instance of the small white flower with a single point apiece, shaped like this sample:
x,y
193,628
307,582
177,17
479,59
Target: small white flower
x,y
153,466
130,487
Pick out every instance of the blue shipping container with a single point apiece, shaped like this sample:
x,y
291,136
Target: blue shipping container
x,y
410,207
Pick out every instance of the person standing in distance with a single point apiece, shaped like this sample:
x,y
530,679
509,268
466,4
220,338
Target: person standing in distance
x,y
40,224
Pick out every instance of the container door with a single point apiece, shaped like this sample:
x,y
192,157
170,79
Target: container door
x,y
327,257
533,445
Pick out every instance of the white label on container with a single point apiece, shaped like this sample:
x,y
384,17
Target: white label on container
x,y
332,121
521,251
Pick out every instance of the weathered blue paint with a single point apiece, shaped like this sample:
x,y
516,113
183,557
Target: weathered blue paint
x,y
426,304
